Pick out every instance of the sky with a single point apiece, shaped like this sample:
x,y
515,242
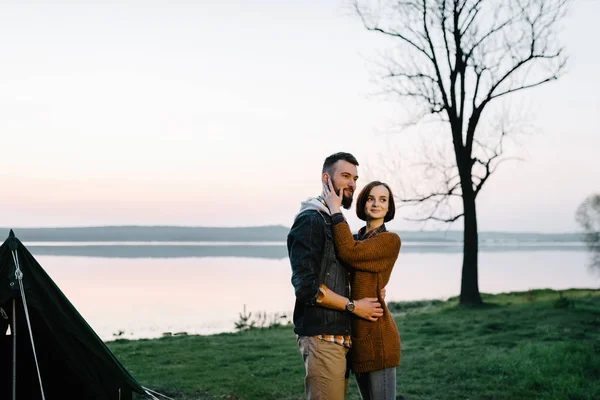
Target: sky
x,y
220,113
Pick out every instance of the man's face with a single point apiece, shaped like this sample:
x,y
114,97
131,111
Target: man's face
x,y
344,176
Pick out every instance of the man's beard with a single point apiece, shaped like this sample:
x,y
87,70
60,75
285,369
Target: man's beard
x,y
346,200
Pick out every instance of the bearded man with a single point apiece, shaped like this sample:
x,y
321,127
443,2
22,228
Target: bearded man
x,y
323,311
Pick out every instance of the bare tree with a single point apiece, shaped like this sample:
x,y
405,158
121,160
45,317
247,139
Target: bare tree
x,y
454,58
588,217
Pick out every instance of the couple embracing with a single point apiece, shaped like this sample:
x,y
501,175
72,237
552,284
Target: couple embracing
x,y
341,321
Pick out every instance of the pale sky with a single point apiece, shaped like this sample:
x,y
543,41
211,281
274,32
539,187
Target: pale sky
x,y
220,113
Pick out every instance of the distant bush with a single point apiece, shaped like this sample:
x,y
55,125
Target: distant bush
x,y
404,306
562,302
261,320
588,217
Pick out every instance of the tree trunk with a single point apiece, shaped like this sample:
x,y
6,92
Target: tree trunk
x,y
469,287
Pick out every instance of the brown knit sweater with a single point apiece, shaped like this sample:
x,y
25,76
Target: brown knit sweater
x,y
375,345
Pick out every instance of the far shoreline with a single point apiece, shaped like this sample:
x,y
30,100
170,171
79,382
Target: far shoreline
x,y
267,233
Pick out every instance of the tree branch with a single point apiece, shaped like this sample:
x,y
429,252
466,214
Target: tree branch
x,y
433,218
392,34
551,78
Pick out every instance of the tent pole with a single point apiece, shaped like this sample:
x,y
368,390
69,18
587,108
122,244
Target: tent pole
x,y
13,330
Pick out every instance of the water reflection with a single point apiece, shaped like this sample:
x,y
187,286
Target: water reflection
x,y
145,297
269,250
162,251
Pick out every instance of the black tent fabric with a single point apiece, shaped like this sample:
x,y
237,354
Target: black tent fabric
x,y
73,361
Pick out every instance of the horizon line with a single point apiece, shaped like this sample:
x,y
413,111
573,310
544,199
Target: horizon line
x,y
269,226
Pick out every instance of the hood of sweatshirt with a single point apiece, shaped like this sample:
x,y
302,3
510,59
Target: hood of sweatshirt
x,y
313,203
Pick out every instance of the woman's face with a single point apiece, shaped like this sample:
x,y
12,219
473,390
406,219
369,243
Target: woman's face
x,y
377,203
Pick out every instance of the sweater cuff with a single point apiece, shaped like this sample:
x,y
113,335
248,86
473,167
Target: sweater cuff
x,y
337,218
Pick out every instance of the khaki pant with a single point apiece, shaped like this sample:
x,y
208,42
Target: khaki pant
x,y
325,364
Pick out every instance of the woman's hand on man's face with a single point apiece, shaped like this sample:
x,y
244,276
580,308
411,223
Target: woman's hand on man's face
x,y
333,199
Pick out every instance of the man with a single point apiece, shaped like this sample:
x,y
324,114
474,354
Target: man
x,y
323,310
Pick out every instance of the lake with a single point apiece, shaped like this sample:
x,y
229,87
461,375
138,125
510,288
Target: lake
x,y
143,290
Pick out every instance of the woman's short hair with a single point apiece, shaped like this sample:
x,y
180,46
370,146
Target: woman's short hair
x,y
364,195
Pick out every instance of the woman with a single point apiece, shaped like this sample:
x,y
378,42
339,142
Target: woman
x,y
371,255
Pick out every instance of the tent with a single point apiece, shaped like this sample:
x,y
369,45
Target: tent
x,y
51,351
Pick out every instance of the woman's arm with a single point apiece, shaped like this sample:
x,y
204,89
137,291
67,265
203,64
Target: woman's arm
x,y
365,255
369,254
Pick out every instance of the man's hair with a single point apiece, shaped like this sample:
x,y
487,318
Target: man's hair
x,y
364,196
332,159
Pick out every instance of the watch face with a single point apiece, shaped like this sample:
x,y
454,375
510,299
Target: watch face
x,y
350,306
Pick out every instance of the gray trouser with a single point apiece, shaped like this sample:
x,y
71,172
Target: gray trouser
x,y
377,385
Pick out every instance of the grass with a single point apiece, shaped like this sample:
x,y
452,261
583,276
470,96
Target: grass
x,y
539,344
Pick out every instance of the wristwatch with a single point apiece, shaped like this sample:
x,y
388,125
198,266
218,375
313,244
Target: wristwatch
x,y
350,306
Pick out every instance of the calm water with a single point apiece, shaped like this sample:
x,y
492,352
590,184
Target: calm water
x,y
201,289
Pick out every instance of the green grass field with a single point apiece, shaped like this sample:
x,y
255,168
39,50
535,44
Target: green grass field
x,y
531,345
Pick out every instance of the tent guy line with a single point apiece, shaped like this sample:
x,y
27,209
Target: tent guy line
x,y
19,276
